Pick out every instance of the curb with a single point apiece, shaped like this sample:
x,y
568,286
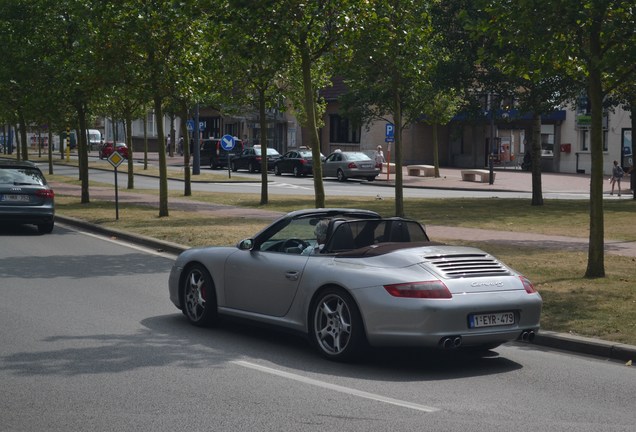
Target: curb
x,y
550,339
585,345
149,242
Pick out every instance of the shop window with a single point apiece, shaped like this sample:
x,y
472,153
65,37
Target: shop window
x,y
341,130
585,140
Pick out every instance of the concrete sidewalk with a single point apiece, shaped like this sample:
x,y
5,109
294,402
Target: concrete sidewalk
x,y
509,179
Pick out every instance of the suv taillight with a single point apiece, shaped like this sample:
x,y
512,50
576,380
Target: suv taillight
x,y
45,193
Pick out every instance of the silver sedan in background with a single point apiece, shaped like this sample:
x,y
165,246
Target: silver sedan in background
x,y
345,164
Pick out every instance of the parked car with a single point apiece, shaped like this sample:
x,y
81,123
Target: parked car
x,y
298,162
250,159
107,149
215,156
354,164
25,196
374,281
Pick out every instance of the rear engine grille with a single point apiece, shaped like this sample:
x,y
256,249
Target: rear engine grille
x,y
467,265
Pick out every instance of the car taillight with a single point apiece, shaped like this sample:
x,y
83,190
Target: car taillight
x,y
45,193
429,289
303,162
258,158
352,165
527,285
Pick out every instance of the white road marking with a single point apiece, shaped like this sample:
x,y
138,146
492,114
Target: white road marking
x,y
119,242
335,387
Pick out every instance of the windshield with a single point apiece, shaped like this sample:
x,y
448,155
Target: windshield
x,y
357,156
270,152
21,176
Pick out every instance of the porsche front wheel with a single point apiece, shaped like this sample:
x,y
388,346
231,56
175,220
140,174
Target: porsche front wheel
x,y
336,326
199,296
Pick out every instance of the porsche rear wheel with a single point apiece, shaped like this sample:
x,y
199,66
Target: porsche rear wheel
x,y
199,296
335,326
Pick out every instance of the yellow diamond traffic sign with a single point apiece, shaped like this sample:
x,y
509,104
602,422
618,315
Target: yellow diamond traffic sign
x,y
115,159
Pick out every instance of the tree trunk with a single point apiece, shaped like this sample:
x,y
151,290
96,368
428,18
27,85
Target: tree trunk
x,y
399,180
145,141
435,150
50,149
171,147
263,139
537,189
596,252
163,169
23,137
82,153
314,140
129,143
187,186
633,172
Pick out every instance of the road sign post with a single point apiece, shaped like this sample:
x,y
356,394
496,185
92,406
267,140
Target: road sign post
x,y
390,135
227,143
115,160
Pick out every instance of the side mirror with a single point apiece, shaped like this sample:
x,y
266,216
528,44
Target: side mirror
x,y
246,244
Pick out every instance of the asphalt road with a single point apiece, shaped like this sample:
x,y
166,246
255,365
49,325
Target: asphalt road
x,y
289,185
90,341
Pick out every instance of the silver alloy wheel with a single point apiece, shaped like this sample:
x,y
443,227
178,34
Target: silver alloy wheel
x,y
195,295
332,324
199,296
296,171
341,176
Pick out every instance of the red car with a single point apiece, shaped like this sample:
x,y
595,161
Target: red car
x,y
107,149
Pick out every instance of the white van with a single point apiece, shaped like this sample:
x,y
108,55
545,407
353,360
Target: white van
x,y
94,139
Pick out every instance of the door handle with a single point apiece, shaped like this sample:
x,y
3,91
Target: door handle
x,y
292,275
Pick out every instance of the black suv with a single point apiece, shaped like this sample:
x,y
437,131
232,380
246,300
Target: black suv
x,y
214,155
25,197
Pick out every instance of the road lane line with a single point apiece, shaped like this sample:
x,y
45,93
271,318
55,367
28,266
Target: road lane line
x,y
337,388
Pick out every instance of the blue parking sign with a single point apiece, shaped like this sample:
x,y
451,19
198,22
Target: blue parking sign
x,y
390,130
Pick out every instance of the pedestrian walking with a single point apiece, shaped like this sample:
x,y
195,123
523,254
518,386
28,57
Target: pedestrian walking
x,y
379,157
617,175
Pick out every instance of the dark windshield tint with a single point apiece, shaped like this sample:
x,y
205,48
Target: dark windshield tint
x,y
21,176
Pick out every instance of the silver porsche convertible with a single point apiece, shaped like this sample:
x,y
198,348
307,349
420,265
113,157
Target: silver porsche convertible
x,y
349,279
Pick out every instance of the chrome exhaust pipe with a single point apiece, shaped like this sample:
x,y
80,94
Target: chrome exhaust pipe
x,y
450,342
447,343
527,335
